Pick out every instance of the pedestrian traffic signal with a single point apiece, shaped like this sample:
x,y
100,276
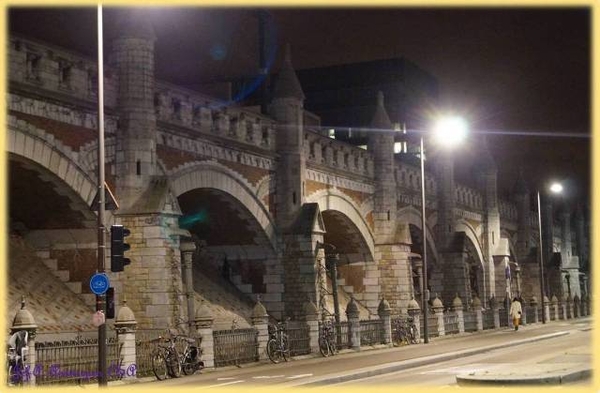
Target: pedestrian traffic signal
x,y
110,303
118,248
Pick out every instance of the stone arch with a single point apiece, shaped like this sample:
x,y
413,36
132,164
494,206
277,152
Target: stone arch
x,y
463,226
217,176
37,146
336,200
410,215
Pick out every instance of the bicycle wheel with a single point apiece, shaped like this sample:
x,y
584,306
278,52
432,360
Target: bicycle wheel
x,y
159,364
188,366
273,351
414,338
173,363
285,350
324,346
332,345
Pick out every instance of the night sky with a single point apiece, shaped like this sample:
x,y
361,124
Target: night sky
x,y
507,71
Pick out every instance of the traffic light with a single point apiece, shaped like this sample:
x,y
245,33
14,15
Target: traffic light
x,y
110,303
118,248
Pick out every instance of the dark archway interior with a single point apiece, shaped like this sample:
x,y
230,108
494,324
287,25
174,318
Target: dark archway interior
x,y
344,235
40,200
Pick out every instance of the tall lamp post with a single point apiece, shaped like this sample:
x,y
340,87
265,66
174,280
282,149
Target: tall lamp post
x,y
451,131
555,188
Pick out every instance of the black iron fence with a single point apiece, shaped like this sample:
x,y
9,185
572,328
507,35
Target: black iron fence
x,y
147,341
234,347
451,323
371,332
341,335
298,338
470,321
488,318
432,327
505,319
75,361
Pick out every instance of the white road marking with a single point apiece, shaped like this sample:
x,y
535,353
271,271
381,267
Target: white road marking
x,y
224,384
268,376
300,376
225,378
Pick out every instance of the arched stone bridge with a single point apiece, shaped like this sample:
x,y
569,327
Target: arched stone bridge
x,y
257,193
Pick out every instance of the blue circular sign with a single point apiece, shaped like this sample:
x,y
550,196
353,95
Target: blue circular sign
x,y
99,283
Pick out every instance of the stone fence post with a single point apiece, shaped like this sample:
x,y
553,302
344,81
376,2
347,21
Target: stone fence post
x,y
311,317
438,309
534,304
546,310
384,311
353,324
125,325
204,330
576,307
555,308
478,315
563,307
583,306
569,306
414,311
260,321
457,307
24,321
494,307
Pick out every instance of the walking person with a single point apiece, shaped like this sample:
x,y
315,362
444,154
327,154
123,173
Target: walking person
x,y
515,312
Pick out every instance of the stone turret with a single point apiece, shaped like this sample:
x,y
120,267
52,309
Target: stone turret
x,y
446,198
133,58
381,144
287,108
522,199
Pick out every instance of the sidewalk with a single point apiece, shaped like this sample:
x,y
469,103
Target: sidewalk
x,y
351,365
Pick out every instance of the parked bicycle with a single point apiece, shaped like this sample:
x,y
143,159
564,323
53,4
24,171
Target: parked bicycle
x,y
404,332
190,360
17,358
327,344
277,346
165,358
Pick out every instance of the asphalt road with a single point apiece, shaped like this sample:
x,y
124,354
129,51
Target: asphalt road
x,y
313,370
572,348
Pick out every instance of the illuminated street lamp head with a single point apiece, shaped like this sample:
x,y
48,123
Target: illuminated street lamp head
x,y
450,131
556,188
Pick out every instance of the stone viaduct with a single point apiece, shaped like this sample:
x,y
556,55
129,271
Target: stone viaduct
x,y
254,195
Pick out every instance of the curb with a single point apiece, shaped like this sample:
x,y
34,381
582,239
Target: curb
x,y
557,379
406,364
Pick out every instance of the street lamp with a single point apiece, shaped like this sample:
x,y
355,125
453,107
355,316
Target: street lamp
x,y
555,188
450,131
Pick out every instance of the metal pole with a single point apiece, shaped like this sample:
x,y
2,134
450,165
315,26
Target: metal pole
x,y
541,257
332,262
100,300
425,293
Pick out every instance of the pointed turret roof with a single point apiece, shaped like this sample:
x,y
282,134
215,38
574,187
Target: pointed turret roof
x,y
381,120
520,187
287,84
136,24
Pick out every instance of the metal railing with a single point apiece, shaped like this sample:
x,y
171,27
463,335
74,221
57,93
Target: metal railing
x,y
505,319
341,335
451,323
488,318
470,321
145,342
75,361
432,327
235,347
298,338
371,332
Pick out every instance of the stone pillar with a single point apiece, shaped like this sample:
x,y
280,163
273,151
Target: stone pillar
x,y
311,316
438,309
555,307
546,310
353,325
583,305
187,248
570,307
414,311
576,307
457,307
204,330
494,307
478,315
534,304
588,304
125,325
260,321
384,311
562,305
24,321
